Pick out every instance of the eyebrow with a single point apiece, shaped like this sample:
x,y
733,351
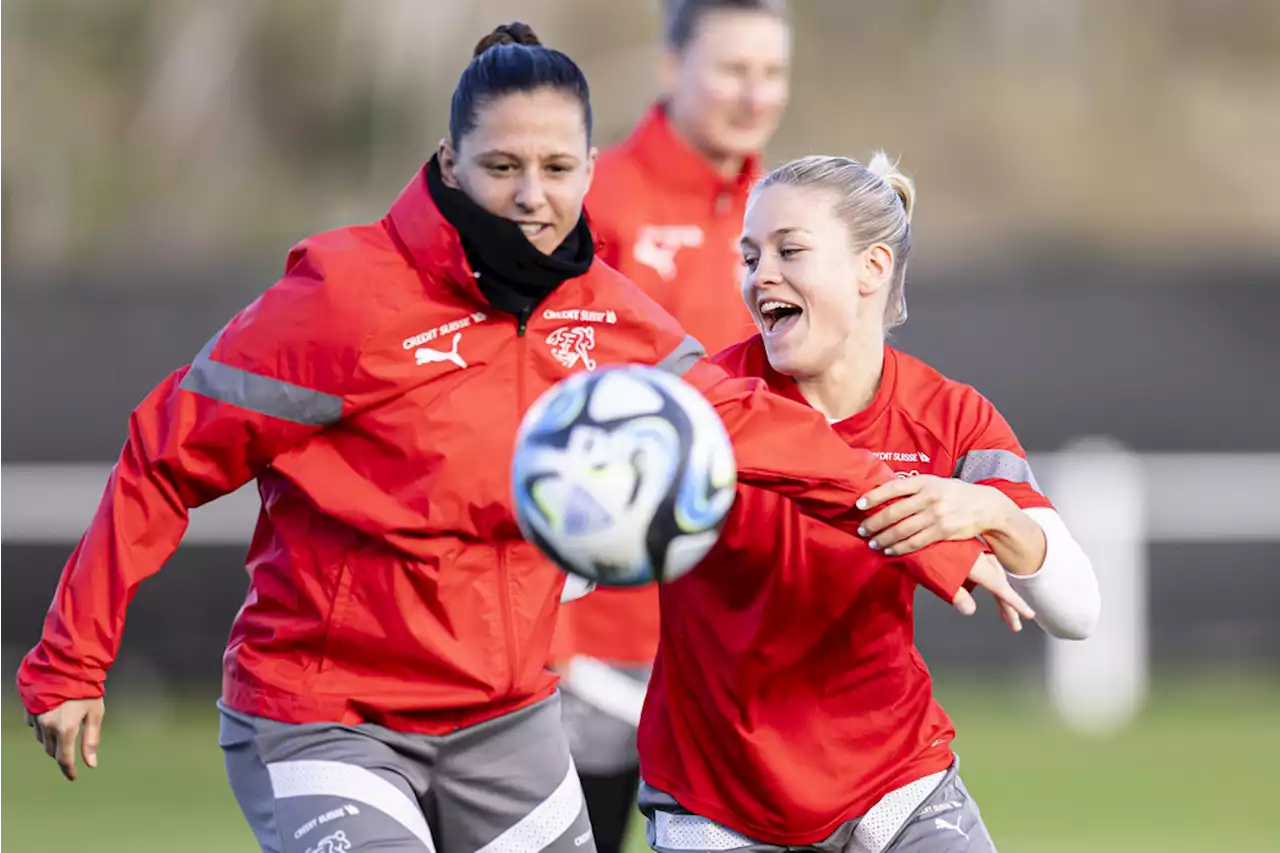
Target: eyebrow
x,y
780,232
498,152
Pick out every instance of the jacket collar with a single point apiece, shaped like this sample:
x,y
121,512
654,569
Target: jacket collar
x,y
667,158
433,245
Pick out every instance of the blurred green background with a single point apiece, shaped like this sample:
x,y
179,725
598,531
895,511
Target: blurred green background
x,y
1195,773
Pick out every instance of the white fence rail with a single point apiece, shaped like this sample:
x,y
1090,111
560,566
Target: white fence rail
x,y
1114,501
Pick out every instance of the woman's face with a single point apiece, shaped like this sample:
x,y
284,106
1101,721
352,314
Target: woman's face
x,y
807,288
729,86
528,160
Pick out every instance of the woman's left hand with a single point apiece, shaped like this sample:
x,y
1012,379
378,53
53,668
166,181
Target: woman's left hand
x,y
931,509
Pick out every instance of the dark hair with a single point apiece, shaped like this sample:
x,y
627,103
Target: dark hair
x,y
509,60
682,17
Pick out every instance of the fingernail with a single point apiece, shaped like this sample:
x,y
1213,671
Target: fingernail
x,y
861,503
873,545
92,760
888,552
862,531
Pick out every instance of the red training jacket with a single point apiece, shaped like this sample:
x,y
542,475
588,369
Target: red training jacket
x,y
670,223
787,696
375,396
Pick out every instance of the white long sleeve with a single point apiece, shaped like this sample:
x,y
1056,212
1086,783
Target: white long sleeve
x,y
1064,591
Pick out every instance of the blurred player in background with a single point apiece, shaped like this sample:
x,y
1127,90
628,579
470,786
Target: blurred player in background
x,y
667,204
788,706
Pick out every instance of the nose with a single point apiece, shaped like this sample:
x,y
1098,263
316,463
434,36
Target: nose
x,y
530,195
767,272
764,91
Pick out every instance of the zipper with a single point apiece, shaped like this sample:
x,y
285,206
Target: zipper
x,y
508,628
504,579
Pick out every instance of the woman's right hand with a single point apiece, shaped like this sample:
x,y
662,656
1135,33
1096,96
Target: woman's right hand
x,y
989,574
57,731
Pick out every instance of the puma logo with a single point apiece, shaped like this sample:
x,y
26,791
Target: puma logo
x,y
941,823
427,355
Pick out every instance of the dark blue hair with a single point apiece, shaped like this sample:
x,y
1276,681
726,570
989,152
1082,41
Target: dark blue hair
x,y
507,61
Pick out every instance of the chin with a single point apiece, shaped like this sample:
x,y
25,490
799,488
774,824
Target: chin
x,y
784,359
747,141
547,244
744,145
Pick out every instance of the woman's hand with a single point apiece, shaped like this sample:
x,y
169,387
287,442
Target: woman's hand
x,y
990,575
57,730
931,509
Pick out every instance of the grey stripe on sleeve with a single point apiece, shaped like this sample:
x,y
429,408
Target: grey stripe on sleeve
x,y
978,465
273,397
686,354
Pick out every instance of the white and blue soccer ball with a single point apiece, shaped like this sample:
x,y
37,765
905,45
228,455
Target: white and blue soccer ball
x,y
623,476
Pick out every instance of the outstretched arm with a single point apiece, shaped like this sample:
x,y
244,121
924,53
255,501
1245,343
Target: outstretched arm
x,y
790,449
261,386
992,494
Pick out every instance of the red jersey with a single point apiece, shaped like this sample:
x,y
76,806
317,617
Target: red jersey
x,y
787,696
669,222
374,395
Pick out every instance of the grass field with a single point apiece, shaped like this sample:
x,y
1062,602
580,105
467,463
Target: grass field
x,y
1192,775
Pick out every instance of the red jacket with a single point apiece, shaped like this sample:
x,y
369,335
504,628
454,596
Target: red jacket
x,y
670,223
375,396
787,696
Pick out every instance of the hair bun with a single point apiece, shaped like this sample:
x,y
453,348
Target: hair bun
x,y
516,32
902,185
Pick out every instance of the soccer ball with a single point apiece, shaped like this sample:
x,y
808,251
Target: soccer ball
x,y
623,476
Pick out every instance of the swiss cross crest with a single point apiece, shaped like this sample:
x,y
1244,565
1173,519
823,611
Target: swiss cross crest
x,y
656,246
573,344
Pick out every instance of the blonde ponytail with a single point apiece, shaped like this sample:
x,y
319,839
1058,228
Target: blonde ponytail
x,y
899,182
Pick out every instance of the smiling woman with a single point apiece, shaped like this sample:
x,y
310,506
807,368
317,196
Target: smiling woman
x,y
520,136
872,209
843,747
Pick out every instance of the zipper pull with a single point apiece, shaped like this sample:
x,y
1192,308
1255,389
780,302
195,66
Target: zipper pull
x,y
522,322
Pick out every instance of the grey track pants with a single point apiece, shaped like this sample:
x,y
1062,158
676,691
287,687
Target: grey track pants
x,y
504,786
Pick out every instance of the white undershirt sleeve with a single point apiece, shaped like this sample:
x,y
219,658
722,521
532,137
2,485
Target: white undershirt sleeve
x,y
1064,591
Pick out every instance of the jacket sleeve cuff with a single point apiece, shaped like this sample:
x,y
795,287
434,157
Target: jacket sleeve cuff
x,y
41,689
943,567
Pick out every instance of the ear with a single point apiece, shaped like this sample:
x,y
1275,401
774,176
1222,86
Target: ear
x,y
593,153
666,70
875,269
448,164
